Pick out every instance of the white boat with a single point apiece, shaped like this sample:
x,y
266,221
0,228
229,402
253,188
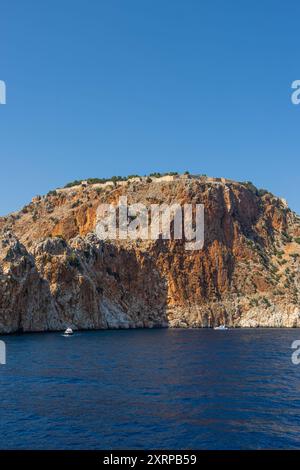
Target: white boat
x,y
68,332
221,327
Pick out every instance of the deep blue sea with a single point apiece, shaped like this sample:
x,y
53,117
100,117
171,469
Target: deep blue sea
x,y
151,389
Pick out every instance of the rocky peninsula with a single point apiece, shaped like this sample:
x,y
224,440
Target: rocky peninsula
x,y
55,272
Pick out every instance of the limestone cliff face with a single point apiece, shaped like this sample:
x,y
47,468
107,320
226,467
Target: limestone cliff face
x,y
55,272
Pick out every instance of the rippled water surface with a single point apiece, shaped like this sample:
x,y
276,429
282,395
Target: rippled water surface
x,y
200,389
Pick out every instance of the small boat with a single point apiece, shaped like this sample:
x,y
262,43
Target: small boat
x,y
221,327
68,332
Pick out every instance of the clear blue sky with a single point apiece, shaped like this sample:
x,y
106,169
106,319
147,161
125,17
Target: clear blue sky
x,y
103,87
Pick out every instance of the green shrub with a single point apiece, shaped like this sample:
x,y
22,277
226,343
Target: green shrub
x,y
96,180
129,177
75,204
286,236
250,186
266,302
73,183
282,262
73,260
262,192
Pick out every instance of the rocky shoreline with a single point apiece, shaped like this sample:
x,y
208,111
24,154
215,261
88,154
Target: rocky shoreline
x,y
55,272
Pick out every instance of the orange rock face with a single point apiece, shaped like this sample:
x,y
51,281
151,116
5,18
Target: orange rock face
x,y
55,272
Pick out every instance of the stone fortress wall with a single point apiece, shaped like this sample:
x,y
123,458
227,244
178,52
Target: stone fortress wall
x,y
161,179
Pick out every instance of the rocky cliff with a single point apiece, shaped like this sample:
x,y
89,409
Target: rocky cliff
x,y
55,272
